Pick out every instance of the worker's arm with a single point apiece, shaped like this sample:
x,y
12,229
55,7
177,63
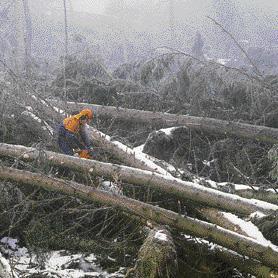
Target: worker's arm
x,y
85,137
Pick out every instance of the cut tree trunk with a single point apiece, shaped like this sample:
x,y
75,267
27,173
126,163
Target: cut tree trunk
x,y
171,185
157,256
231,240
260,133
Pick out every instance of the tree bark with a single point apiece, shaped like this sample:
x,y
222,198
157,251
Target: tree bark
x,y
260,133
157,256
241,244
245,264
216,217
171,185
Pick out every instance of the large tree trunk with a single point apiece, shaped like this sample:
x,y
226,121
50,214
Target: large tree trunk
x,y
157,256
231,240
20,36
260,133
171,185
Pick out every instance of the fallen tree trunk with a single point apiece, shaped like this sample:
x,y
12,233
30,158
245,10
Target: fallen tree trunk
x,y
171,185
266,196
244,264
241,244
122,152
157,256
260,133
217,217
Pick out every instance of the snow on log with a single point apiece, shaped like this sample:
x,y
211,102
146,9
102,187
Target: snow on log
x,y
244,264
129,156
168,184
231,240
217,217
260,133
157,256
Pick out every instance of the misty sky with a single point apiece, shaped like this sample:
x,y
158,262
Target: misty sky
x,y
98,6
93,6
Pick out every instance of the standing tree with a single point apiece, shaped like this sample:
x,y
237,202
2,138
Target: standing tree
x,y
28,36
197,49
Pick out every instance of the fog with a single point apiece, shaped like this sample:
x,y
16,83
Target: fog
x,y
121,31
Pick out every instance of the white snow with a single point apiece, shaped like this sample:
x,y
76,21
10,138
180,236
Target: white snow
x,y
58,263
28,113
223,61
257,214
168,131
10,242
59,110
250,229
160,236
137,153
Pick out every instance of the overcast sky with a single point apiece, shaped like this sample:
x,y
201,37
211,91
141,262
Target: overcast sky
x,y
93,6
98,6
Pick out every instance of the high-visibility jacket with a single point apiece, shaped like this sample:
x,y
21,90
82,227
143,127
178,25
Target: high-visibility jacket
x,y
73,123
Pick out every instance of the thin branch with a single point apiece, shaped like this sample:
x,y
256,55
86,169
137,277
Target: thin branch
x,y
238,45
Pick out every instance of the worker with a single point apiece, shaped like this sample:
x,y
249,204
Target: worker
x,y
72,134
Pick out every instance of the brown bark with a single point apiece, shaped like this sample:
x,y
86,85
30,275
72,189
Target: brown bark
x,y
177,187
260,133
157,256
216,217
245,264
240,244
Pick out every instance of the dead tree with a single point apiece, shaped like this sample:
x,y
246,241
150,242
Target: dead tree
x,y
231,240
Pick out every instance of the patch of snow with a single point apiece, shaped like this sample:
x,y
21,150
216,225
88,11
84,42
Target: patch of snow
x,y
223,61
29,108
168,131
59,110
208,163
10,242
213,184
257,214
110,187
250,229
28,113
48,127
58,263
160,236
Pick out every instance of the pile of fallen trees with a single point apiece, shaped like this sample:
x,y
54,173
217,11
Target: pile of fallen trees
x,y
238,249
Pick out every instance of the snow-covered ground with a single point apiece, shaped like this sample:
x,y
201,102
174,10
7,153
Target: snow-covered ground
x,y
57,264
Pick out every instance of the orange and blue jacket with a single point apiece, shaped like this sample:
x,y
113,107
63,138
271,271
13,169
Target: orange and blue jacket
x,y
73,123
72,128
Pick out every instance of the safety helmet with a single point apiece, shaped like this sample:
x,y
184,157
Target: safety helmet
x,y
87,112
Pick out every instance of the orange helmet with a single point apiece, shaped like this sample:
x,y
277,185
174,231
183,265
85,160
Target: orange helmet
x,y
87,112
